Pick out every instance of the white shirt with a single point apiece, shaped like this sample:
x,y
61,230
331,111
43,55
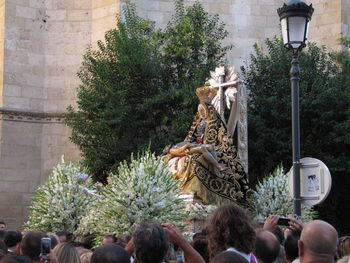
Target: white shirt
x,y
247,257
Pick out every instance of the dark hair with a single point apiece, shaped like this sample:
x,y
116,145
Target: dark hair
x,y
230,226
2,233
54,241
2,223
86,241
3,248
151,243
201,246
267,247
343,246
69,236
279,234
229,257
16,259
12,238
31,244
110,253
291,246
114,238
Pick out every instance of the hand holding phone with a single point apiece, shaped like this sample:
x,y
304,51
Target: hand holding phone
x,y
283,221
45,248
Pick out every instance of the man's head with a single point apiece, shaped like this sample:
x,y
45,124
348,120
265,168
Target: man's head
x,y
318,242
267,246
2,225
291,246
64,236
151,243
2,235
31,244
13,239
110,253
201,246
109,239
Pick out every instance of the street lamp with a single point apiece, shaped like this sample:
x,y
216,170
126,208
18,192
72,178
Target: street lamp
x,y
295,17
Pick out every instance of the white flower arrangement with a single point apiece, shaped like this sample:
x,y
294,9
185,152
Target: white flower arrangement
x,y
60,203
271,197
199,211
142,191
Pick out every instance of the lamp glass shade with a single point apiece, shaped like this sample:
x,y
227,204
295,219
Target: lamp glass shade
x,y
297,27
284,27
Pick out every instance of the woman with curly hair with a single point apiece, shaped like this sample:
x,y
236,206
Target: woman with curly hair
x,y
230,228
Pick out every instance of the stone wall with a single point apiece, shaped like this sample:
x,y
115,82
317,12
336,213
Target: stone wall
x,y
67,36
104,13
44,43
326,23
247,21
252,21
2,40
22,85
345,18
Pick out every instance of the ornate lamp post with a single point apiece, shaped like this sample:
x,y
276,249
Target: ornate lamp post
x,y
295,17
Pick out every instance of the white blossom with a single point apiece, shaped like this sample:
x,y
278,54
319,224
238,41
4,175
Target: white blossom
x,y
271,197
60,203
141,191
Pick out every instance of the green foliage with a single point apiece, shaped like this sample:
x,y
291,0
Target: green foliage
x,y
142,191
324,114
191,48
117,99
61,202
138,86
271,197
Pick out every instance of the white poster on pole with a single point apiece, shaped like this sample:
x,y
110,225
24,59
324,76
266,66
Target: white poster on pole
x,y
315,181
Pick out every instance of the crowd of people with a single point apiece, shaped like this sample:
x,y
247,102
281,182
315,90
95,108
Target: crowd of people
x,y
229,236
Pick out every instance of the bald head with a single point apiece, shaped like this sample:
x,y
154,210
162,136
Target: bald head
x,y
318,240
267,247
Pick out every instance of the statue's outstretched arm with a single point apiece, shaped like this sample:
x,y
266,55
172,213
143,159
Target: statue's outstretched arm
x,y
179,151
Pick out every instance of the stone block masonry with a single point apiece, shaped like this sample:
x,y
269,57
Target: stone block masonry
x,y
41,49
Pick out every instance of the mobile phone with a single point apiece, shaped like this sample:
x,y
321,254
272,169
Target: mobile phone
x,y
45,247
283,221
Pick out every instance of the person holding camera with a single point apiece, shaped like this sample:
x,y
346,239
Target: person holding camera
x,y
35,247
150,243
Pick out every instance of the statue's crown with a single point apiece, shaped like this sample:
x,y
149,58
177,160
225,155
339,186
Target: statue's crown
x,y
205,94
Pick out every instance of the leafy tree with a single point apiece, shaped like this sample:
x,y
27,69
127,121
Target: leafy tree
x,y
191,48
138,86
324,115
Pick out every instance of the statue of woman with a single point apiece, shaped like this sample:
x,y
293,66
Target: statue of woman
x,y
195,145
206,161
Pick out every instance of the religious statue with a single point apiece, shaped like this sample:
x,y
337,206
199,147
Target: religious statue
x,y
206,162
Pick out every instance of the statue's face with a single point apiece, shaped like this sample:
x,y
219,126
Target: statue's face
x,y
202,111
